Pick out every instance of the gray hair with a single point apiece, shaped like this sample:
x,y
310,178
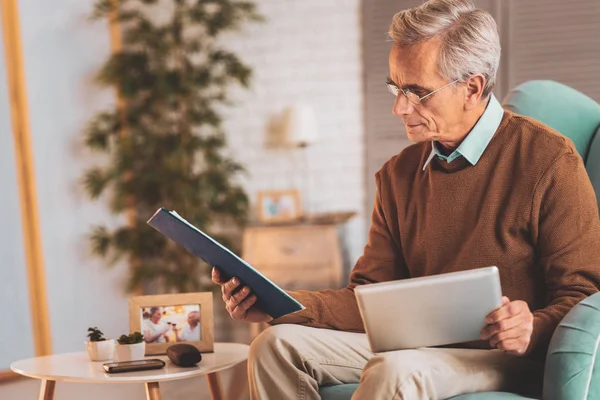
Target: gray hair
x,y
469,37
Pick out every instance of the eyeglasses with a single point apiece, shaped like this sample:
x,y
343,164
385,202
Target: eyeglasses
x,y
412,97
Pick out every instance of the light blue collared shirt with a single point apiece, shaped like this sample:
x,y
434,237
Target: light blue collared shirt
x,y
473,146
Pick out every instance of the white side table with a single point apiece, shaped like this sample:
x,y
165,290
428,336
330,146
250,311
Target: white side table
x,y
77,367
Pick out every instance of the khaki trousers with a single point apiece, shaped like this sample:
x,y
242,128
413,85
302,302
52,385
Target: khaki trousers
x,y
292,361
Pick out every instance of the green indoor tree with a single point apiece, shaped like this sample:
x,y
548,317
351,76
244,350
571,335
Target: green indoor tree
x,y
164,140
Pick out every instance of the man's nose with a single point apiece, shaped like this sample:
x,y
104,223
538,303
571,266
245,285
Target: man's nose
x,y
402,106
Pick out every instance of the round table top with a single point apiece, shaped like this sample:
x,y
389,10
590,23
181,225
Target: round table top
x,y
77,367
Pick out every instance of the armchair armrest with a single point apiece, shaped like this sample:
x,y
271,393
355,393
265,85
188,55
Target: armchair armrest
x,y
573,363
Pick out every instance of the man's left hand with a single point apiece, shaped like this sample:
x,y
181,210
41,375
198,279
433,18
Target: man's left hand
x,y
509,327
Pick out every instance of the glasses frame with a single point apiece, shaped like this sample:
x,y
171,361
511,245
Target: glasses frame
x,y
413,98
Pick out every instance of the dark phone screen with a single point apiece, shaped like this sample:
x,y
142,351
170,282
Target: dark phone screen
x,y
132,363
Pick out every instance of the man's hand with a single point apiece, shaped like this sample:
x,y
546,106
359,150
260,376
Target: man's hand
x,y
509,327
239,304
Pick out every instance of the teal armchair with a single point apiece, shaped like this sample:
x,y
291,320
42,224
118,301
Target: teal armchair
x,y
572,369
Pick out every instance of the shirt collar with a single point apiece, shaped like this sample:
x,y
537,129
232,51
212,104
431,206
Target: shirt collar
x,y
473,146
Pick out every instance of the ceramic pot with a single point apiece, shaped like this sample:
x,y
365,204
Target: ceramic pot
x,y
100,351
130,352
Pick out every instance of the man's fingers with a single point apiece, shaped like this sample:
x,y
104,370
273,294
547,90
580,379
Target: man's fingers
x,y
229,287
508,310
237,298
216,275
493,314
509,328
515,347
240,295
240,311
506,324
508,344
237,302
522,330
498,315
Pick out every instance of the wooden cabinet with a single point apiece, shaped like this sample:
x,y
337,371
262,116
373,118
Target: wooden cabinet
x,y
303,255
295,257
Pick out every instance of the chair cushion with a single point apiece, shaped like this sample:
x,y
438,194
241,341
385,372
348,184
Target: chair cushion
x,y
344,392
338,392
491,396
573,362
592,164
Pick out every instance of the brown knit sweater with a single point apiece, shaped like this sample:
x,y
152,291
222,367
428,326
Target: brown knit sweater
x,y
527,207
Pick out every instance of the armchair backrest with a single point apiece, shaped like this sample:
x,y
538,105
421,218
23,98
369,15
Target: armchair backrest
x,y
566,110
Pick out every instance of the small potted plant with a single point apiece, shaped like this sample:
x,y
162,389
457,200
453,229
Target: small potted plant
x,y
131,347
98,347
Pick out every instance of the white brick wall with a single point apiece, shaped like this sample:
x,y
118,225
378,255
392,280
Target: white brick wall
x,y
308,51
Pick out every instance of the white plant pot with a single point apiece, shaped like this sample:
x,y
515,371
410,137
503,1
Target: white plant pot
x,y
130,352
100,351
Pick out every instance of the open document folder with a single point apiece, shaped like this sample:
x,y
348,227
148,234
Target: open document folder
x,y
270,297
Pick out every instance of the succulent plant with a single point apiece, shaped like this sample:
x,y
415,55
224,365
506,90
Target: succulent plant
x,y
95,335
132,338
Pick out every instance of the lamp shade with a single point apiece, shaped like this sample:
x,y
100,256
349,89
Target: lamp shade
x,y
300,125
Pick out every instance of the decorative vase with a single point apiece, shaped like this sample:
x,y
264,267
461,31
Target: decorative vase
x,y
130,352
100,351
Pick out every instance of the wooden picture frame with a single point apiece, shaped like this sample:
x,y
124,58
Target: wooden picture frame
x,y
279,205
176,310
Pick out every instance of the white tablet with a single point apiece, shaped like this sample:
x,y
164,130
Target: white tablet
x,y
428,311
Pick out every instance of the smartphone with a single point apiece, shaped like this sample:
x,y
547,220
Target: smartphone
x,y
129,366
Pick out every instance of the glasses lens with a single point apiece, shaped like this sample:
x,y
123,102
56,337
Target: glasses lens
x,y
413,98
392,89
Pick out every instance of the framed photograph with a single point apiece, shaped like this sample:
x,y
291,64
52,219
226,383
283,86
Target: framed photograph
x,y
279,205
173,318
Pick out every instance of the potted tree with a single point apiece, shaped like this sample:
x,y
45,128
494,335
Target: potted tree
x,y
98,347
164,140
131,347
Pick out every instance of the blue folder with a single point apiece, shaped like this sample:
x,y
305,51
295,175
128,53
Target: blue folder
x,y
270,297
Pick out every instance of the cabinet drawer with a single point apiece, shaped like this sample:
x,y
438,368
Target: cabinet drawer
x,y
291,246
317,276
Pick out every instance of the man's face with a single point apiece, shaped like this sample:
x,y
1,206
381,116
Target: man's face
x,y
193,318
156,316
438,117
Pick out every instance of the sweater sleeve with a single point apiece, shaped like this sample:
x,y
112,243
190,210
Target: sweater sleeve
x,y
566,226
381,261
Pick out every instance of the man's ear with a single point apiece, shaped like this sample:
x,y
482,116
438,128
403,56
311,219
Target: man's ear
x,y
474,85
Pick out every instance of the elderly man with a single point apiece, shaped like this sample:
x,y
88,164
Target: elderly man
x,y
481,186
190,332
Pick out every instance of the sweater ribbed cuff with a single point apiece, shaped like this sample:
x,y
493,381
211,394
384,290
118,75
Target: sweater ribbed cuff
x,y
299,317
540,337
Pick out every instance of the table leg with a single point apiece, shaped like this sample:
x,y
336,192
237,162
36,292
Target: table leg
x,y
256,329
214,384
47,390
152,391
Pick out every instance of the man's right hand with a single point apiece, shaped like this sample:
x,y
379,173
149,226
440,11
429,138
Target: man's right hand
x,y
239,305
